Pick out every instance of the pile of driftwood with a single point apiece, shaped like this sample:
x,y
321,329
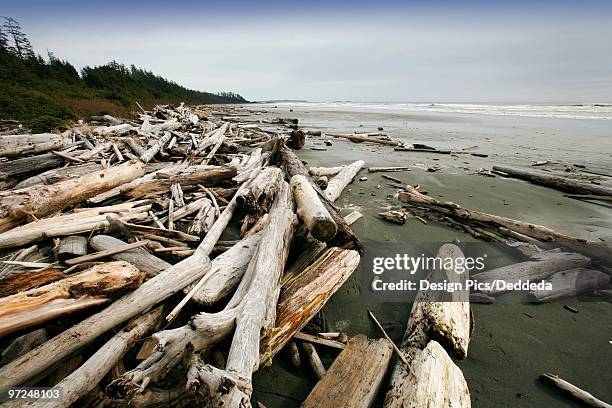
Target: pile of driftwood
x,y
111,231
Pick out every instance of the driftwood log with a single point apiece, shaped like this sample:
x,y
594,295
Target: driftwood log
x,y
140,258
338,183
355,376
572,282
311,210
12,145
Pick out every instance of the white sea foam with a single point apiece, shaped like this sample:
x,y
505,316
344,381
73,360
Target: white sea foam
x,y
576,111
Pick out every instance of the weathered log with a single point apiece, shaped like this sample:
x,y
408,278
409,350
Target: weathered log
x,y
355,377
20,281
26,165
72,246
13,145
292,165
104,254
557,182
153,150
23,344
258,195
90,288
305,295
189,176
338,183
294,354
572,282
113,130
577,393
37,202
325,171
440,316
55,175
204,219
140,258
311,210
319,340
226,271
590,248
314,360
361,138
80,222
540,267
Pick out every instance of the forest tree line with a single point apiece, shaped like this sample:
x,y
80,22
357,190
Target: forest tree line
x,y
49,93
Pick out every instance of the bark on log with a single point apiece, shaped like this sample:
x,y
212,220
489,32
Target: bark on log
x,y
345,237
540,267
305,295
557,182
355,376
590,248
93,287
190,176
338,183
569,388
572,282
37,202
311,210
140,258
13,145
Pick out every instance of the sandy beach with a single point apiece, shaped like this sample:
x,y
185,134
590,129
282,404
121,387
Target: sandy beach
x,y
513,343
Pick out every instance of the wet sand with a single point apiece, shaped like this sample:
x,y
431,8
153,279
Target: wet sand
x,y
509,349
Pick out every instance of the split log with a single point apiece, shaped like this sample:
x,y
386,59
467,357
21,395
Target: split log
x,y
226,271
292,165
314,360
577,393
72,246
14,145
248,311
435,316
557,182
360,138
311,210
140,258
19,281
338,183
189,176
153,150
150,293
590,248
204,219
93,287
258,195
572,282
539,267
305,295
355,377
37,202
87,376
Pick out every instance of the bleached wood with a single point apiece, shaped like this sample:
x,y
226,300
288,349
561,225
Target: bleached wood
x,y
325,171
55,175
572,282
338,183
140,258
153,150
311,210
355,376
578,393
258,195
11,145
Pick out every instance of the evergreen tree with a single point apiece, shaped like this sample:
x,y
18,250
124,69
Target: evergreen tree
x,y
21,45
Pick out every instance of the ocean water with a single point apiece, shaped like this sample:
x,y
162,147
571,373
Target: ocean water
x,y
587,111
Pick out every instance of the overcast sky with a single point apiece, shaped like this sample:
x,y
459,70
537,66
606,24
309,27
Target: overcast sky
x,y
429,51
